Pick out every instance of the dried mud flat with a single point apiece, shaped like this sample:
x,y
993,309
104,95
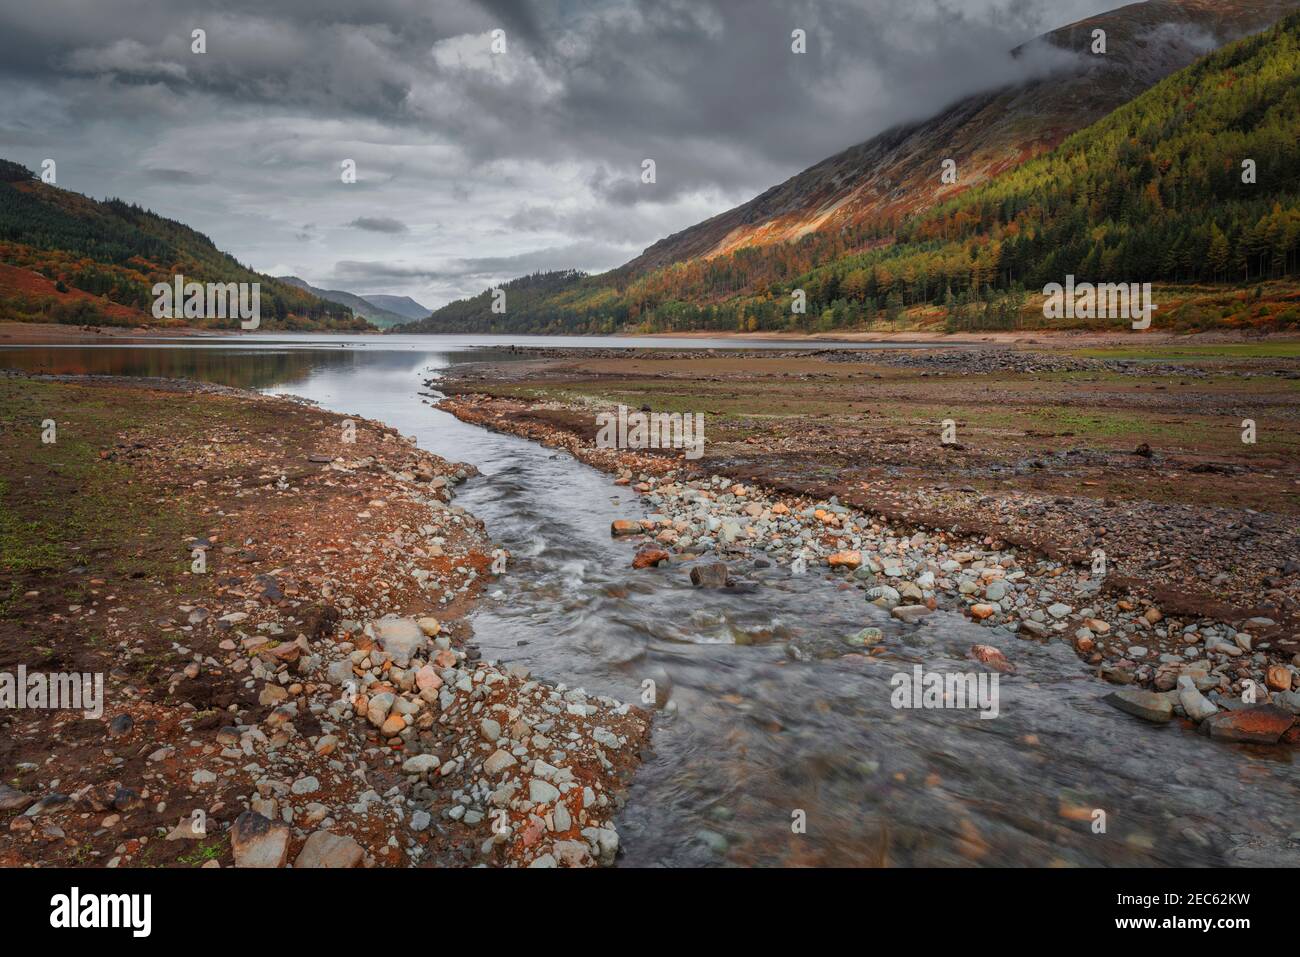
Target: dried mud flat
x,y
309,693
1060,460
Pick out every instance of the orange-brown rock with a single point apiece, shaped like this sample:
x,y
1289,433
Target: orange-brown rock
x,y
649,555
992,657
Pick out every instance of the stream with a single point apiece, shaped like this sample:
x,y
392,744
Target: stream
x,y
759,756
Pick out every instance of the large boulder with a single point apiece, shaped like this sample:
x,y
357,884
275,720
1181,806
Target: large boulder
x,y
1261,724
259,842
324,849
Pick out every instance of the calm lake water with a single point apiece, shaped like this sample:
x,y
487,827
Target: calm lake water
x,y
753,738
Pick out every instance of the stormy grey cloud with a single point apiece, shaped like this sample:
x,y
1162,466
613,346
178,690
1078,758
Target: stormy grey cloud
x,y
473,167
380,224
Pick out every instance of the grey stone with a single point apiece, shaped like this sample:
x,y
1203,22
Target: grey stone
x,y
257,842
402,638
324,849
1148,705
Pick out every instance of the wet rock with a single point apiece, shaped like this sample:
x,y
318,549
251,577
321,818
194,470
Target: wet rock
x,y
623,526
257,842
993,657
1035,628
885,596
650,555
324,849
849,560
1147,705
713,575
865,638
1197,706
1259,724
911,614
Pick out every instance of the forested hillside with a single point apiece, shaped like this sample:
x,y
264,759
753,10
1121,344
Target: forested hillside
x,y
104,257
1154,192
532,305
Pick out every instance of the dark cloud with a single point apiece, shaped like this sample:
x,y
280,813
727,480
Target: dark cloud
x,y
380,224
165,175
472,164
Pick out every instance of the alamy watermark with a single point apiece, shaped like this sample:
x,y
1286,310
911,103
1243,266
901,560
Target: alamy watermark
x,y
214,300
61,690
1106,300
651,430
75,909
950,689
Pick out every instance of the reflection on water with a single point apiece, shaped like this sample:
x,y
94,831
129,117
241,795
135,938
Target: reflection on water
x,y
770,716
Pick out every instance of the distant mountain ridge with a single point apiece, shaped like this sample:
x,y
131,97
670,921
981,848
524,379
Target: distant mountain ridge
x,y
359,305
401,305
72,259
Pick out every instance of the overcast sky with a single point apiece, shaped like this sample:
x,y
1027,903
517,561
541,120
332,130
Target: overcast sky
x,y
472,166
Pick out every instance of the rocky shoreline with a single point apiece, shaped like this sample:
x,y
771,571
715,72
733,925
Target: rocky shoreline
x,y
1237,679
312,695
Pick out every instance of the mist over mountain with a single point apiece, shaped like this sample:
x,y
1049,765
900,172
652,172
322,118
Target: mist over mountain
x,y
360,306
727,271
403,306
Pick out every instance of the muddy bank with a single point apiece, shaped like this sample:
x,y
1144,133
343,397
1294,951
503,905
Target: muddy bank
x,y
1201,592
274,597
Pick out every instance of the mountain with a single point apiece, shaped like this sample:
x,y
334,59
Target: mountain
x,y
725,273
360,306
402,305
533,297
1191,185
896,173
65,257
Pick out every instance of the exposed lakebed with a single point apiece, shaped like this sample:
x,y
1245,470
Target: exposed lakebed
x,y
751,735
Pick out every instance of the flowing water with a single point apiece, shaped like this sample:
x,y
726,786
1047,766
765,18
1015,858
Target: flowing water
x,y
761,755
